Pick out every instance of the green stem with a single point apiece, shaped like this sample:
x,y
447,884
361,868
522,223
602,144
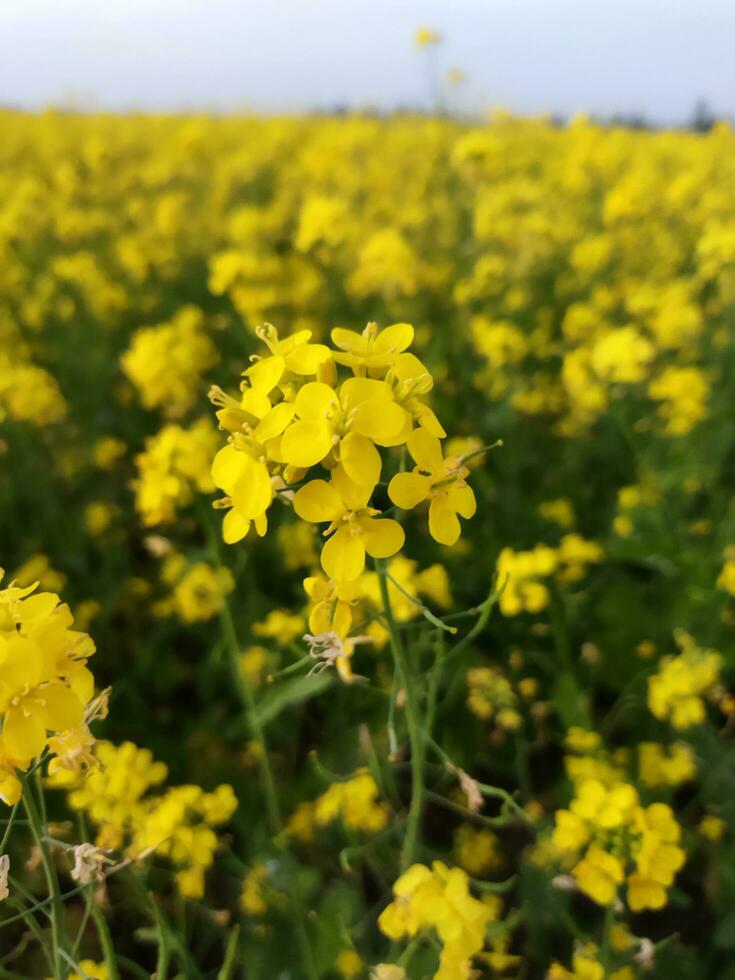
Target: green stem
x,y
8,829
606,944
108,950
265,772
228,967
52,882
413,723
425,611
164,947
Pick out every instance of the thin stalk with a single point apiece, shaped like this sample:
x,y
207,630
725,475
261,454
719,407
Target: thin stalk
x,y
425,611
27,916
52,882
228,966
108,950
267,782
8,828
265,772
413,723
164,946
606,944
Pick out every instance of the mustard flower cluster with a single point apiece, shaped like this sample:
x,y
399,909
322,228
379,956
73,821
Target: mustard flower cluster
x,y
166,362
284,424
295,413
477,850
174,465
490,696
355,802
661,765
28,392
658,765
45,685
439,899
336,608
197,590
178,823
611,840
677,691
522,573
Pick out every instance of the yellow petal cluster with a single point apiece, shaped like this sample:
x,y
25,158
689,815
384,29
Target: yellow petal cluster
x,y
178,823
439,898
678,689
615,842
45,683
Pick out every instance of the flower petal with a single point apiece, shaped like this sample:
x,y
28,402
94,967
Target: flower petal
x,y
59,707
354,495
253,492
426,451
343,556
379,419
307,358
316,401
306,443
227,466
317,502
360,459
384,538
264,375
407,490
234,527
24,735
394,339
274,422
463,500
443,521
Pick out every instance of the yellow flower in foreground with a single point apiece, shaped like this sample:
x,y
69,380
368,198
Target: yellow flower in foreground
x,y
347,423
44,680
373,348
439,898
355,528
442,481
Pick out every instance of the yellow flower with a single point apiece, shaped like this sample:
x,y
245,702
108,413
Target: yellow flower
x,y
44,680
373,349
439,898
659,766
712,827
173,467
354,529
676,691
427,37
348,964
442,481
598,875
166,362
345,424
353,801
198,590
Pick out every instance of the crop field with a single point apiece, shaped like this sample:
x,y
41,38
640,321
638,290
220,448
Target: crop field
x,y
366,512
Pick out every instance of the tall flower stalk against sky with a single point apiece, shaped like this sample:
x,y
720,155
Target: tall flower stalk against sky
x,y
429,41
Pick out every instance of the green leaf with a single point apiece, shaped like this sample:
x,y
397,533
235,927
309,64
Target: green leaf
x,y
290,692
570,701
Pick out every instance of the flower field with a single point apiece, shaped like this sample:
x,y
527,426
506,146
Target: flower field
x,y
366,516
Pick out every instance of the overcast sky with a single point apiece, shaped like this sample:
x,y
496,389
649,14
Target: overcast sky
x,y
655,57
